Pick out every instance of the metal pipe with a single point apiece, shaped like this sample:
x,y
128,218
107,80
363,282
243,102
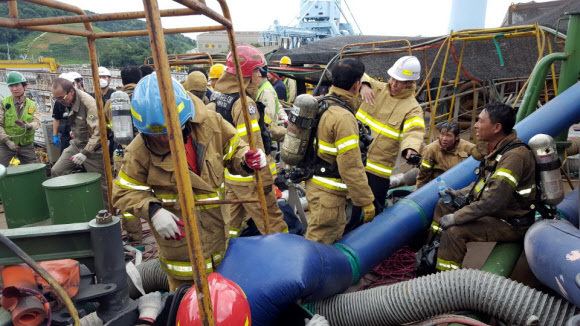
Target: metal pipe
x,y
11,23
536,81
165,31
246,113
427,84
433,112
13,8
456,80
225,20
571,67
373,44
100,17
177,147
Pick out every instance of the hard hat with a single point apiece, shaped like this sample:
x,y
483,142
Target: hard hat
x,y
285,61
230,305
406,68
195,81
75,75
14,77
216,71
104,72
67,76
250,59
147,109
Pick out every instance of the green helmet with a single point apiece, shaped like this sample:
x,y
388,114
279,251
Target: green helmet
x,y
15,77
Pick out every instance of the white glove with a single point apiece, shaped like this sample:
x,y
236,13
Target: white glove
x,y
317,320
447,221
167,225
255,159
12,146
150,305
79,158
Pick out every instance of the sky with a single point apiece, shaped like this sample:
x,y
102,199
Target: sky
x,y
375,17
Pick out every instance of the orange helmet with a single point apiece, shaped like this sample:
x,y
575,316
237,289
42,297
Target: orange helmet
x,y
230,305
250,59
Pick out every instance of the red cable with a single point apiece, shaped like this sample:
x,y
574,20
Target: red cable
x,y
397,268
462,67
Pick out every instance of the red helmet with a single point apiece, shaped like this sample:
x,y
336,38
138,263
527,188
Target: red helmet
x,y
230,305
250,59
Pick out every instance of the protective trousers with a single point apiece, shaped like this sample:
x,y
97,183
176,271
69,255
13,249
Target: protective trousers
x,y
380,187
239,212
132,225
25,154
327,217
93,163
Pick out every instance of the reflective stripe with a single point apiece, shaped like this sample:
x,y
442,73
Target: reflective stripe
x,y
479,186
436,228
525,192
126,182
379,168
110,125
235,177
446,265
136,115
378,127
328,148
167,198
206,197
347,143
242,128
128,215
498,157
506,175
416,121
267,119
231,149
331,183
426,164
234,232
273,169
182,268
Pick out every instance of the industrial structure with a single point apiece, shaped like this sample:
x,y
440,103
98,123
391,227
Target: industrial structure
x,y
317,20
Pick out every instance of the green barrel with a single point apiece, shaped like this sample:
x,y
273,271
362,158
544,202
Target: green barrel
x,y
74,198
22,194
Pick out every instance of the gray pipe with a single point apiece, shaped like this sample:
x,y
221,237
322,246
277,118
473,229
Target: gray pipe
x,y
153,277
440,293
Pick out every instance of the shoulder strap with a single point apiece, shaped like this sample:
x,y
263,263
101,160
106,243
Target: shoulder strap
x,y
337,101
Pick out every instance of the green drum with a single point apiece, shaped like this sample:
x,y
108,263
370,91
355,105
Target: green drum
x,y
22,194
74,198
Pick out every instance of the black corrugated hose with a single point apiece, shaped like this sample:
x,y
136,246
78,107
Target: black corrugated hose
x,y
153,277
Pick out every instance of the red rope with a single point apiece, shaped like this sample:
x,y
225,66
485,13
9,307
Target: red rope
x,y
462,67
397,268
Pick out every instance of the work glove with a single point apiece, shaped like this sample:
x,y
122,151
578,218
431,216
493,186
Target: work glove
x,y
317,320
167,225
23,124
255,159
447,221
12,146
79,158
150,305
369,212
56,140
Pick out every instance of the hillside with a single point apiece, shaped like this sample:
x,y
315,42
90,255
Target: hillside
x,y
73,50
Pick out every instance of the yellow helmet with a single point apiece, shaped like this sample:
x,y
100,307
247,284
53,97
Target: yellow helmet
x,y
285,61
216,71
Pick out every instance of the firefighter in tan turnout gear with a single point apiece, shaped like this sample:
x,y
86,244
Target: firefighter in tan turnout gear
x,y
228,104
391,111
341,170
146,187
443,154
500,200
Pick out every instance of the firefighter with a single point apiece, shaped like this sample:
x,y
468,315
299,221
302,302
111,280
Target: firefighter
x,y
18,121
196,83
229,106
146,188
291,90
339,159
500,201
391,111
215,72
443,154
266,95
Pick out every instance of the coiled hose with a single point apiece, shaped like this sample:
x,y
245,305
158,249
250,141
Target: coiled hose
x,y
432,295
152,276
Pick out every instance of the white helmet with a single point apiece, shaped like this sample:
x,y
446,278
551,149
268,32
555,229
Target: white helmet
x,y
104,72
67,76
75,75
406,68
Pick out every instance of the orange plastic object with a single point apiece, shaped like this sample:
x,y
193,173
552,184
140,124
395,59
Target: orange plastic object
x,y
25,309
65,271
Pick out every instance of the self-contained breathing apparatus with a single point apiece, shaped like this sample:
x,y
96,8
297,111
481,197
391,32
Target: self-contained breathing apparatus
x,y
300,145
224,104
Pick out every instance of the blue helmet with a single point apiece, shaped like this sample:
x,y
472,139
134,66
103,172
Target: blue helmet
x,y
147,109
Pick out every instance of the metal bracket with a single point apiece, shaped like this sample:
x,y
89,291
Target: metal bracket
x,y
558,29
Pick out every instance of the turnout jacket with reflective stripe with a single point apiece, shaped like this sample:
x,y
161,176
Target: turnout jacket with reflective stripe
x,y
437,160
397,123
508,191
226,85
145,178
338,142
